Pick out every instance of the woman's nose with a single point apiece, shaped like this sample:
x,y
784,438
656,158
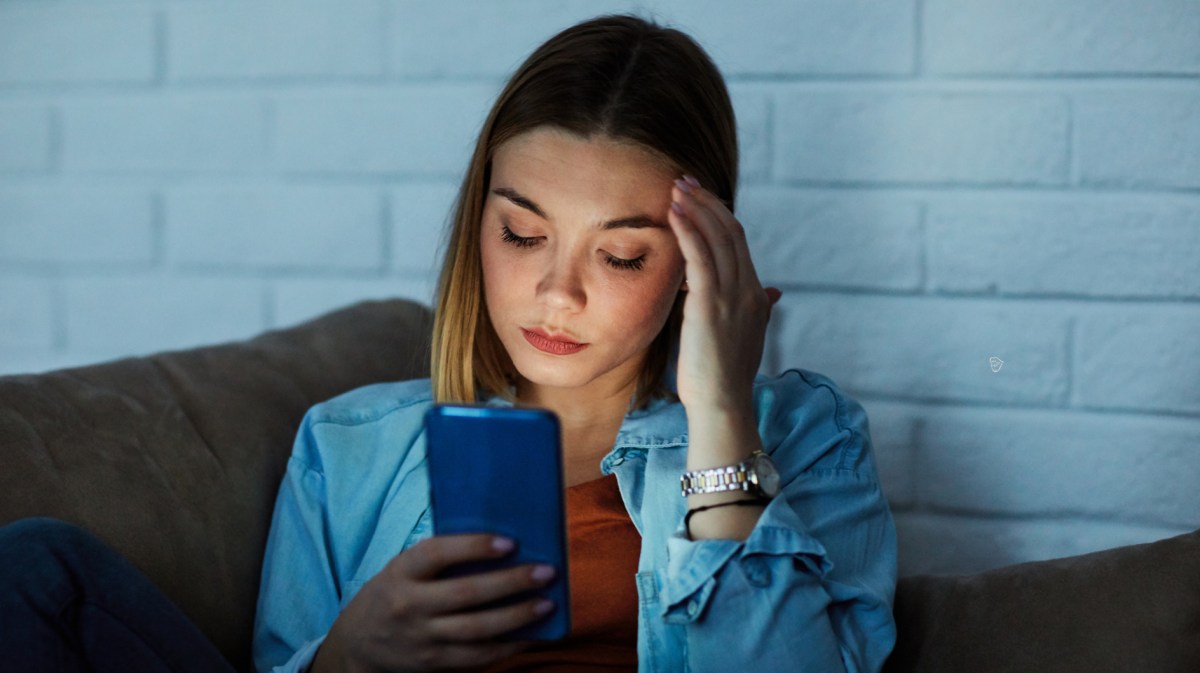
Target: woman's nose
x,y
561,286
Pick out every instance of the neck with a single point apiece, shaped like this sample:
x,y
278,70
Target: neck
x,y
589,417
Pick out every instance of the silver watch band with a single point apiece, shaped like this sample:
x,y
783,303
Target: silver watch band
x,y
716,479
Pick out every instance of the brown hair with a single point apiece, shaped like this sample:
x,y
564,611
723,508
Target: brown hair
x,y
617,76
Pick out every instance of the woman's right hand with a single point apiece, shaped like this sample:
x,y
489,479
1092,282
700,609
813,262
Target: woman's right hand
x,y
405,619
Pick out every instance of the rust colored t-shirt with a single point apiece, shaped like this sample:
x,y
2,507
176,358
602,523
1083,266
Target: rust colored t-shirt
x,y
603,547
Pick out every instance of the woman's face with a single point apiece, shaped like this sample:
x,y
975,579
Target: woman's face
x,y
580,266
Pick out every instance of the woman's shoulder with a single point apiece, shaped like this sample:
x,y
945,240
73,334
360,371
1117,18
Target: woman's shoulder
x,y
368,426
801,407
370,403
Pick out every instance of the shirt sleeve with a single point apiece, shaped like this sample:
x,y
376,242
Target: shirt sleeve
x,y
812,586
298,595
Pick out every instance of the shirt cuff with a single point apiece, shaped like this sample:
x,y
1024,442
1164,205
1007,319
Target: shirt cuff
x,y
693,565
302,660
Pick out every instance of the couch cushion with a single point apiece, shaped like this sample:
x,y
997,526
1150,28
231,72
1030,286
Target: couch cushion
x,y
1134,608
175,458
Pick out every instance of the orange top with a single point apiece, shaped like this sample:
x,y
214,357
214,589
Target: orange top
x,y
602,548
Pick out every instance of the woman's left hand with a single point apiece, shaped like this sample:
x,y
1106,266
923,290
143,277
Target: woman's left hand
x,y
726,311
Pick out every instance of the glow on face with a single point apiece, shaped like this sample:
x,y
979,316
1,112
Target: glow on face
x,y
580,266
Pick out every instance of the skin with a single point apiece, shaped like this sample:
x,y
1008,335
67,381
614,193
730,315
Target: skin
x,y
559,271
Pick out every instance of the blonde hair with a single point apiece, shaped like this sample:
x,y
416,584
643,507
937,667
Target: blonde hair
x,y
616,76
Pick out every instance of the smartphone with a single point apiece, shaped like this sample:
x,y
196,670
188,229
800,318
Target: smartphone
x,y
499,470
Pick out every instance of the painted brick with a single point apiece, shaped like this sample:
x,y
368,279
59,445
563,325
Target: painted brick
x,y
1138,139
415,130
1085,246
26,314
275,40
930,349
430,39
299,227
818,239
1062,37
75,45
298,300
752,107
24,138
829,38
115,317
1139,357
177,132
946,545
111,225
957,138
28,361
835,38
1052,463
44,360
420,216
892,428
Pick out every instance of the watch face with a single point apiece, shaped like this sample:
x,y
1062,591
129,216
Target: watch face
x,y
768,476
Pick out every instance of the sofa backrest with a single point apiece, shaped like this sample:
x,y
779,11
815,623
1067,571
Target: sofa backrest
x,y
1132,608
175,458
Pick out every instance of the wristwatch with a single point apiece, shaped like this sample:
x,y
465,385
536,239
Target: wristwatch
x,y
756,475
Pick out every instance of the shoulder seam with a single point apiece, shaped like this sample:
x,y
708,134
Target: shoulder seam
x,y
379,414
839,417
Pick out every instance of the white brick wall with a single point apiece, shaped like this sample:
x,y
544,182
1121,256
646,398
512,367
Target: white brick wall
x,y
931,182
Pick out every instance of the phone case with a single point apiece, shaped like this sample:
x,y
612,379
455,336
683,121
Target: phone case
x,y
499,470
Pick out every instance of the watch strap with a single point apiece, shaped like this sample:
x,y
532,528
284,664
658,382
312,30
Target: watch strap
x,y
718,479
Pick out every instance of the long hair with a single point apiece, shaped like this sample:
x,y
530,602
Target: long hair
x,y
617,76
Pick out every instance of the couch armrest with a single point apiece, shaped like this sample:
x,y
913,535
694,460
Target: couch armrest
x,y
175,458
1134,608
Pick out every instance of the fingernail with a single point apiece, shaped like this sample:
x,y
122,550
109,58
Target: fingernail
x,y
683,186
502,544
541,573
543,606
693,181
677,208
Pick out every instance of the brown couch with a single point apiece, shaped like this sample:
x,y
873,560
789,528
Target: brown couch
x,y
174,459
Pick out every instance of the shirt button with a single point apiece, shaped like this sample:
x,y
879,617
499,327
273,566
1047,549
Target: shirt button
x,y
693,608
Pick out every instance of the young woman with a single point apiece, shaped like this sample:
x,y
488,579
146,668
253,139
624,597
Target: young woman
x,y
595,268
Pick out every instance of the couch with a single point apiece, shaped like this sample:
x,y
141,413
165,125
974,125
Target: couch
x,y
174,459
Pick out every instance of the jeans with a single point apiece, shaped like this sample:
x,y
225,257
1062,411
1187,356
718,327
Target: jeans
x,y
69,602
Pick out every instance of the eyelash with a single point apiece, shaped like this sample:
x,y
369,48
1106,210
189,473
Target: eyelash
x,y
625,264
508,236
618,263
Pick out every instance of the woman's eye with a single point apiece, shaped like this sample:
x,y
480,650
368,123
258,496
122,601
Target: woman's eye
x,y
509,237
634,264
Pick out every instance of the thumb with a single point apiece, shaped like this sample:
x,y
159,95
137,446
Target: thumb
x,y
773,294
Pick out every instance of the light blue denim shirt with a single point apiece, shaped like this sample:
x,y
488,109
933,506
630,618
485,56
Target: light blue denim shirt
x,y
810,589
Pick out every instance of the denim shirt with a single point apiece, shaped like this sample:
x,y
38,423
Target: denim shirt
x,y
810,589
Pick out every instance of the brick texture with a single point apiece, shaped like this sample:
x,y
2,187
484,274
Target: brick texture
x,y
81,45
984,216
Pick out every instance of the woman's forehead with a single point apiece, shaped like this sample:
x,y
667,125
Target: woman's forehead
x,y
552,149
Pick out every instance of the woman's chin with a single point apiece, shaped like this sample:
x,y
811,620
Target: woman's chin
x,y
552,375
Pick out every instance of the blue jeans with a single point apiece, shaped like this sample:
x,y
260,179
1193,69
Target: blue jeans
x,y
69,602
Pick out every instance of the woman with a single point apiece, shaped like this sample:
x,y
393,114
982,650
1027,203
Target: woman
x,y
595,268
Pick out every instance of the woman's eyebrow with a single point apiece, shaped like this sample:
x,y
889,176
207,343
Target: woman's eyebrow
x,y
631,222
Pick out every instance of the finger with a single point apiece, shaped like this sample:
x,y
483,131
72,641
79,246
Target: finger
x,y
732,226
773,294
469,627
716,234
462,593
429,557
699,273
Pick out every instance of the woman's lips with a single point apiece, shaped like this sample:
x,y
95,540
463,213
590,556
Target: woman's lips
x,y
542,341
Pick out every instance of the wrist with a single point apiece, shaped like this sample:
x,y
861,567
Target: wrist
x,y
333,656
721,436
